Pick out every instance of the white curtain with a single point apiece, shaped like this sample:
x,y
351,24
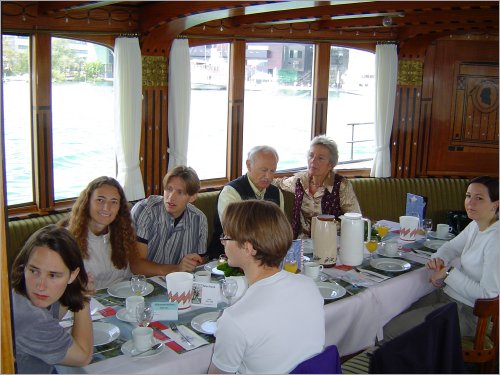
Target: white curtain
x,y
386,67
179,97
128,109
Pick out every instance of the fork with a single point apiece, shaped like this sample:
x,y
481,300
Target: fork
x,y
174,328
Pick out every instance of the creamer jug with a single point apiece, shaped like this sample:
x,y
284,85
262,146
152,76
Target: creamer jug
x,y
352,229
324,236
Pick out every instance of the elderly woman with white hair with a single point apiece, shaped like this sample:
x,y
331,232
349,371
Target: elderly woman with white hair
x,y
319,190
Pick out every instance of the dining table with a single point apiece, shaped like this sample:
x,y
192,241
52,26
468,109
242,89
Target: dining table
x,y
353,322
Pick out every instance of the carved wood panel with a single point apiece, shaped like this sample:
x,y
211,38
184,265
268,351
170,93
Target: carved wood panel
x,y
462,135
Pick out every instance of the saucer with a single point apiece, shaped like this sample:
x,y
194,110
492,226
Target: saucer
x,y
129,350
381,251
124,316
447,237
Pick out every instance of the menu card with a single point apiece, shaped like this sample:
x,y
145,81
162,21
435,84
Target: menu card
x,y
206,294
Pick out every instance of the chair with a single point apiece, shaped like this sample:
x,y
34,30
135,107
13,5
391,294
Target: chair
x,y
483,347
326,362
433,346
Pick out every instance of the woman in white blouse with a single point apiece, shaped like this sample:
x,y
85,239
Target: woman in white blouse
x,y
101,223
476,247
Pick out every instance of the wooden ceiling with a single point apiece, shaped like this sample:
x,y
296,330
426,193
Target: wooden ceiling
x,y
363,21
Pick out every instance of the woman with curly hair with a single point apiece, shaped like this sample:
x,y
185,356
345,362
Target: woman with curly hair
x,y
101,223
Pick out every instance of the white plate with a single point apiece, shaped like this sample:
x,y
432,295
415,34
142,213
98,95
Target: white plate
x,y
124,316
206,323
124,290
128,349
104,333
212,267
392,265
434,244
330,290
448,236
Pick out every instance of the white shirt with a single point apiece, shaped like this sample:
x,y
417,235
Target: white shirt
x,y
99,262
278,323
478,253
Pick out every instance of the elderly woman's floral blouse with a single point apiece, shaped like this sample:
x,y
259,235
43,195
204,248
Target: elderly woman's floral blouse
x,y
311,204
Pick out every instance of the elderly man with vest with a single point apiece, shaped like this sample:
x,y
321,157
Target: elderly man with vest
x,y
255,184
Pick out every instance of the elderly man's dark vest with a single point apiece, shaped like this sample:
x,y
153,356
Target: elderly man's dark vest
x,y
244,189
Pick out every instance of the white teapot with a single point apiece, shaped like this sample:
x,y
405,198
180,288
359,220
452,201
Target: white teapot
x,y
352,227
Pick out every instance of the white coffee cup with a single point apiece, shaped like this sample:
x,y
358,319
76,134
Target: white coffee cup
x,y
312,269
142,338
131,304
408,228
180,288
202,276
442,230
391,248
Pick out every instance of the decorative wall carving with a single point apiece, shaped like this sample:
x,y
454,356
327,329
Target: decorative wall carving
x,y
475,111
154,71
410,72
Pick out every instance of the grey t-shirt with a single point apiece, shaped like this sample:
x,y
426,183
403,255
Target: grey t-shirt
x,y
40,341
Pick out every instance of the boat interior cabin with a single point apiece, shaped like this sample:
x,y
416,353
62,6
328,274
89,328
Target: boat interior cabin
x,y
408,89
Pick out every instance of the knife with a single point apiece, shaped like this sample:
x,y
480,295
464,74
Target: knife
x,y
380,276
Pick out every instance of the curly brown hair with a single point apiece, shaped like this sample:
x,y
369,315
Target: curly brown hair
x,y
122,233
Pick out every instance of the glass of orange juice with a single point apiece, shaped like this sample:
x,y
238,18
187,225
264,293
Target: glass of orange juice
x,y
371,246
290,263
382,230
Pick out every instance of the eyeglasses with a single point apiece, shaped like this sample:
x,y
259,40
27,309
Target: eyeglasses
x,y
224,238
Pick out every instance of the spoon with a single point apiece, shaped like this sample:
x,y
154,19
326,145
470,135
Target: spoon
x,y
154,347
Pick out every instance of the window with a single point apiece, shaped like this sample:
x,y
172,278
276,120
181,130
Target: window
x,y
351,104
82,115
208,114
277,98
17,118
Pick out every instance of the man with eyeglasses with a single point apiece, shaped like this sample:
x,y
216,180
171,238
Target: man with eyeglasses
x,y
255,184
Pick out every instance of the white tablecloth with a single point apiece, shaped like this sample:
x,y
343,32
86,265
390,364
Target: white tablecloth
x,y
352,324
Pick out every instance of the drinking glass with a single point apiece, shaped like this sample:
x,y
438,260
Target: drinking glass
x,y
144,314
371,246
290,263
427,226
138,284
229,288
382,230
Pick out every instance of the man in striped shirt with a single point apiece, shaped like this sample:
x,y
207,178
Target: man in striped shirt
x,y
171,232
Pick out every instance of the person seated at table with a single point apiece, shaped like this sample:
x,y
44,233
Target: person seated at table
x,y
48,278
100,221
171,232
477,249
255,184
264,331
319,190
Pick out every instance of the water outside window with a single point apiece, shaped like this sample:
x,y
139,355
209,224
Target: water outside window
x,y
207,141
351,104
17,121
82,115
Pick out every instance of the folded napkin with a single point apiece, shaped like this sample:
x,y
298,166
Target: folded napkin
x,y
358,279
193,337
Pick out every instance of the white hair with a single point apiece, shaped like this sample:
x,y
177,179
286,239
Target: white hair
x,y
258,149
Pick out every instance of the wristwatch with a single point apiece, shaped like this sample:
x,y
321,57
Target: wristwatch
x,y
448,272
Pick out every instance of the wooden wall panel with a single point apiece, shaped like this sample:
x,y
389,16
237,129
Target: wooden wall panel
x,y
463,133
320,88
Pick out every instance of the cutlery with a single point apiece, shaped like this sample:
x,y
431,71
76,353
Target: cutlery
x,y
368,272
421,254
174,328
154,347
